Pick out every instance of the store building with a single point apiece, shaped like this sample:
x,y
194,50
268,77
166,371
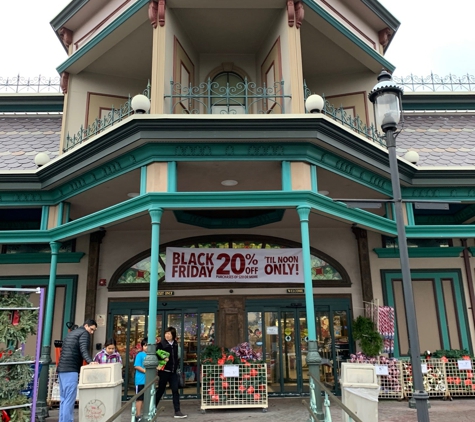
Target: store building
x,y
228,158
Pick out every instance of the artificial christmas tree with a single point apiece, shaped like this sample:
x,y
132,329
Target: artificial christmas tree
x,y
18,320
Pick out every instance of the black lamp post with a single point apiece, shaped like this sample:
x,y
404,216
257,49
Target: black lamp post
x,y
386,97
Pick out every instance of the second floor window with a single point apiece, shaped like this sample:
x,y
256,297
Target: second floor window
x,y
228,94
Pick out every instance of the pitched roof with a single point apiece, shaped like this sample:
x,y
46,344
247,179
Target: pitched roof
x,y
22,137
441,140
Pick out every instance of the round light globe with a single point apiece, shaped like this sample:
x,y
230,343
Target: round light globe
x,y
140,104
41,159
412,157
314,103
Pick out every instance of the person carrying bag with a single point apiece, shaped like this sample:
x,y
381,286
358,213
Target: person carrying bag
x,y
168,373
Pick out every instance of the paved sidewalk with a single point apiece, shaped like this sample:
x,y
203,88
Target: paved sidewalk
x,y
292,410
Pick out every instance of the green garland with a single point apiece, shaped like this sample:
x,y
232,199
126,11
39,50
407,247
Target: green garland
x,y
27,323
14,378
211,354
452,353
15,327
371,342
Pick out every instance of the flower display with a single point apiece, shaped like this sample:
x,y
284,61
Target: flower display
x,y
390,383
246,386
243,353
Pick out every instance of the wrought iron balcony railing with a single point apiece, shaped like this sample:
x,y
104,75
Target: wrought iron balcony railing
x,y
114,116
21,85
354,123
435,83
212,98
209,98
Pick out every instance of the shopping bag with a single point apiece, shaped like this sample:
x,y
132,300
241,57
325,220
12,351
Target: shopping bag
x,y
181,378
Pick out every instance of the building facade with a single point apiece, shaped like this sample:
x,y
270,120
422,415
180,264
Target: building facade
x,y
227,158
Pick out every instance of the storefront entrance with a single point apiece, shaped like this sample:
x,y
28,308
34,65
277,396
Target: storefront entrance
x,y
279,330
195,325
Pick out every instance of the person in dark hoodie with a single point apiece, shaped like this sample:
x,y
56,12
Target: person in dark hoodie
x,y
168,374
75,349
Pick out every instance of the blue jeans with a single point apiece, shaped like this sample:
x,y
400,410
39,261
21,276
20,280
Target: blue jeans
x,y
68,386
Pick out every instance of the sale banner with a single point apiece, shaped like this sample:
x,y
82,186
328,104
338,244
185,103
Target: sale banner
x,y
238,265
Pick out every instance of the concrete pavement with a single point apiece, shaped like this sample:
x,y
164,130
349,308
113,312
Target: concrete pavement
x,y
292,410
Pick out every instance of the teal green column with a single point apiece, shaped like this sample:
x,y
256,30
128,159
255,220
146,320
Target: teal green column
x,y
171,179
44,217
304,213
314,359
143,180
313,178
45,359
151,360
410,214
60,214
286,176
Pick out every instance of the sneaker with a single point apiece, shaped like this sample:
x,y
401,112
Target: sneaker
x,y
179,415
138,419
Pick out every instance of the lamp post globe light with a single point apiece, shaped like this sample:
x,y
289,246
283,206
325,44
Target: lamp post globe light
x,y
314,104
140,104
386,98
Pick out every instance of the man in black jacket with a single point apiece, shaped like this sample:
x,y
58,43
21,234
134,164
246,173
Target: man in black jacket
x,y
75,349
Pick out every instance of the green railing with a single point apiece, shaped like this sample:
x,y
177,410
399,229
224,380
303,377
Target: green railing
x,y
152,414
436,83
354,123
115,115
24,85
316,408
213,98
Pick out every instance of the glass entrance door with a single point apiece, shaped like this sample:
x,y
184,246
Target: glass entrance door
x,y
128,330
333,343
281,335
128,325
195,331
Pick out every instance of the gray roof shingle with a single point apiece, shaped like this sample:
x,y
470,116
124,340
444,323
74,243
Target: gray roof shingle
x,y
22,137
440,140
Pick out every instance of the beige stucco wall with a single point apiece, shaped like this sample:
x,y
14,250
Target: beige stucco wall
x,y
378,264
301,176
174,29
343,14
279,30
86,82
93,20
336,85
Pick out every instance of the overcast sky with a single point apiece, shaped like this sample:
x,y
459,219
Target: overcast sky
x,y
434,35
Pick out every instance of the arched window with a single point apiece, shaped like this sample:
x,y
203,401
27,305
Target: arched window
x,y
135,273
228,91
